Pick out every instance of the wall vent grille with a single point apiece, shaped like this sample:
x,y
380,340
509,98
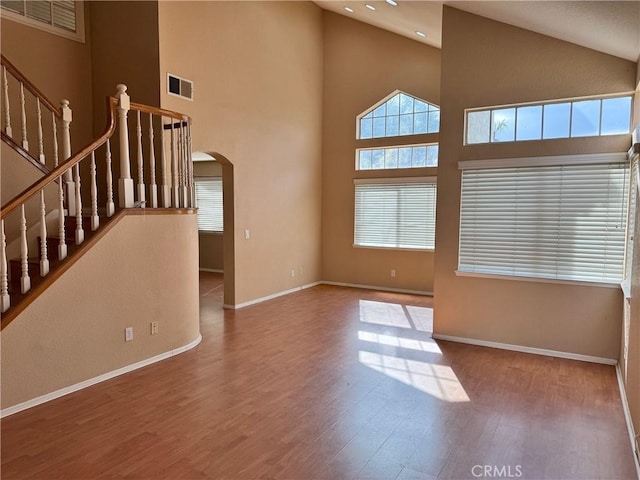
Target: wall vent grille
x,y
180,87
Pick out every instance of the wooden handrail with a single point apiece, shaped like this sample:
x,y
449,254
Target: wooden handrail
x,y
31,87
63,167
23,153
160,111
82,154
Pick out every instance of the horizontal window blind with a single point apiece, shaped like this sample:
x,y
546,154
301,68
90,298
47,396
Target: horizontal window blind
x,y
395,214
209,203
60,13
631,218
557,222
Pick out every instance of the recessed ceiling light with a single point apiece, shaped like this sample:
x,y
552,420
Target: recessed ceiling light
x,y
370,7
392,2
421,34
349,9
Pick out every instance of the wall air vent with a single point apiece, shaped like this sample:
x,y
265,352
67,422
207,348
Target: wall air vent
x,y
179,87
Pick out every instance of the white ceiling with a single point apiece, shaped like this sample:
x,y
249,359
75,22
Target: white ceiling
x,y
612,27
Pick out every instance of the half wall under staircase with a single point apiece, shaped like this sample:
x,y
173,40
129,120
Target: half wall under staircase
x,y
91,247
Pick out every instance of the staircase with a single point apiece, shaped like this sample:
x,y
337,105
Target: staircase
x,y
47,227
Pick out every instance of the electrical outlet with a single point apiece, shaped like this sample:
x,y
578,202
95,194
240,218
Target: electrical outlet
x,y
293,272
154,328
393,272
128,334
247,234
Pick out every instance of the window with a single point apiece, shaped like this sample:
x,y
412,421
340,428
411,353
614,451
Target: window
x,y
411,156
395,213
62,17
401,114
552,218
577,118
632,207
209,203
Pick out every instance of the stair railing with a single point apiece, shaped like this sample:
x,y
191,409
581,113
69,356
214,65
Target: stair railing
x,y
44,153
175,179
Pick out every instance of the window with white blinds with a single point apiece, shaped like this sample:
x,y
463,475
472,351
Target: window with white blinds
x,y
63,17
395,213
631,222
564,222
209,203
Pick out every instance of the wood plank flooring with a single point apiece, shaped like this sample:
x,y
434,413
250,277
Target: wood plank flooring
x,y
329,383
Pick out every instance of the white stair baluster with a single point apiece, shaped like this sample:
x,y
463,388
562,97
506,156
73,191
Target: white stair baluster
x,y
44,259
25,143
95,219
40,141
174,168
111,208
125,182
192,201
153,188
141,192
183,165
66,155
5,300
62,245
5,91
55,140
166,190
25,280
79,226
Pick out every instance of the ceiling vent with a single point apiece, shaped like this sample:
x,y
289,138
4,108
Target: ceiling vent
x,y
179,87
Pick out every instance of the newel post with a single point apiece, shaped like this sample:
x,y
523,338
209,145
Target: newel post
x,y
125,182
70,190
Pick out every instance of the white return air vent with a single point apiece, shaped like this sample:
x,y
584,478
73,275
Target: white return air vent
x,y
179,87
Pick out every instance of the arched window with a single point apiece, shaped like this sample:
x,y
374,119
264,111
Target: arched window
x,y
399,114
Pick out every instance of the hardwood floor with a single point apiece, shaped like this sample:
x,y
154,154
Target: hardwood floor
x,y
329,383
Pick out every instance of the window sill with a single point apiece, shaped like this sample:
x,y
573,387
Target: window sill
x,y
625,286
516,278
403,249
210,232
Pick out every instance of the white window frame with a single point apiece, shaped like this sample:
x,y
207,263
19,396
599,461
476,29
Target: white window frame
x,y
385,100
572,100
569,161
78,35
398,182
396,147
218,181
632,207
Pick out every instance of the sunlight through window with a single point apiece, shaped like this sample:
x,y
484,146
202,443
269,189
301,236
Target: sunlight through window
x,y
396,315
401,342
439,381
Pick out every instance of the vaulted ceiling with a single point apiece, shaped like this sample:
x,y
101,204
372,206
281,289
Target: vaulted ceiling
x,y
612,27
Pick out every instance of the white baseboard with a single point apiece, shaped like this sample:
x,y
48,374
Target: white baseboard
x,y
212,270
100,378
270,297
383,289
627,417
523,349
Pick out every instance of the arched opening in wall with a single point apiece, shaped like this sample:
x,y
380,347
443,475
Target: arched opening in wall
x,y
213,179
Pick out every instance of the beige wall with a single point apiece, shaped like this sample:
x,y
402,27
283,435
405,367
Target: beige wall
x,y
59,67
210,244
488,63
74,331
257,72
362,65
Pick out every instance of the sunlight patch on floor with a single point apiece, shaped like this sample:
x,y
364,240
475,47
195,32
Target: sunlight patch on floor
x,y
396,315
439,381
401,342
